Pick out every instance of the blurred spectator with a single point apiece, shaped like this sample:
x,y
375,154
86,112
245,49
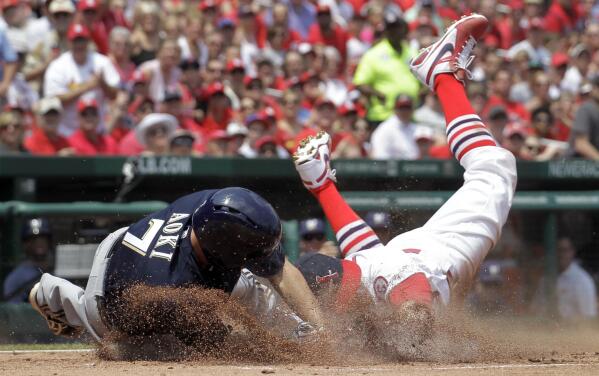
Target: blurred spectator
x,y
237,133
578,71
380,222
575,290
146,37
8,68
327,33
313,238
163,72
217,143
218,111
383,72
497,119
89,15
11,134
154,133
424,138
181,143
533,44
562,16
120,49
80,73
45,139
431,115
394,138
514,137
584,137
37,246
302,15
501,83
88,139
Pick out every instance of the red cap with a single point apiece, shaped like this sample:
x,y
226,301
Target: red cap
x,y
249,79
516,4
536,23
306,76
415,288
77,30
218,134
323,8
10,3
87,4
265,140
213,89
515,128
403,101
347,108
86,103
558,59
424,21
207,4
235,64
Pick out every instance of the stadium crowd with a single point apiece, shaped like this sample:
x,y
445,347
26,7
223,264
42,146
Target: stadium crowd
x,y
250,78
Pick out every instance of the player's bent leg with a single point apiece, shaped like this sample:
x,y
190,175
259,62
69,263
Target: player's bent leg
x,y
312,162
61,303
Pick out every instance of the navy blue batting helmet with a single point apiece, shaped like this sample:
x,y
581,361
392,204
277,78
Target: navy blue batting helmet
x,y
236,225
35,227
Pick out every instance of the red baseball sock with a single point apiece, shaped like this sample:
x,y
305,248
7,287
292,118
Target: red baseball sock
x,y
352,233
465,129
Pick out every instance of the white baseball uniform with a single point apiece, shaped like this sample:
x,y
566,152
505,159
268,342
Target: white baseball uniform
x,y
450,247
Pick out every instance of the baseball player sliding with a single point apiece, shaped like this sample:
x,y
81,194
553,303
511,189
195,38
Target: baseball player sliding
x,y
425,268
202,239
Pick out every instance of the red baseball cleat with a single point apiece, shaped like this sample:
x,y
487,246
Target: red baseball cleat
x,y
452,53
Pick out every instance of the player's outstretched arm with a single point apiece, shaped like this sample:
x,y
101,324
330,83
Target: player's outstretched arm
x,y
292,287
312,162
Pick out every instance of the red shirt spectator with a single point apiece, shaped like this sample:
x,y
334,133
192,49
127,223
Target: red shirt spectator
x,y
45,139
327,33
89,13
87,140
218,113
562,16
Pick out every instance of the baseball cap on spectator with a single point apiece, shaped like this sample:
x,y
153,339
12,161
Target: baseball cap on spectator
x,y
536,23
305,48
48,104
311,226
265,140
207,4
236,129
257,117
497,113
77,30
250,80
152,120
214,89
61,6
559,59
10,3
85,103
424,22
84,5
378,220
515,129
323,8
181,137
217,135
404,101
347,108
245,11
307,76
234,65
226,22
423,133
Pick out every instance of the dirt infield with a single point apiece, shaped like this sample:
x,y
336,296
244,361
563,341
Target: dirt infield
x,y
22,364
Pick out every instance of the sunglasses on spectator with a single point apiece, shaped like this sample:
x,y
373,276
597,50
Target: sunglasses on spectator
x,y
310,237
12,126
89,112
157,130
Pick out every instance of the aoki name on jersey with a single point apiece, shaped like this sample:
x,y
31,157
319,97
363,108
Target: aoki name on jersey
x,y
168,236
